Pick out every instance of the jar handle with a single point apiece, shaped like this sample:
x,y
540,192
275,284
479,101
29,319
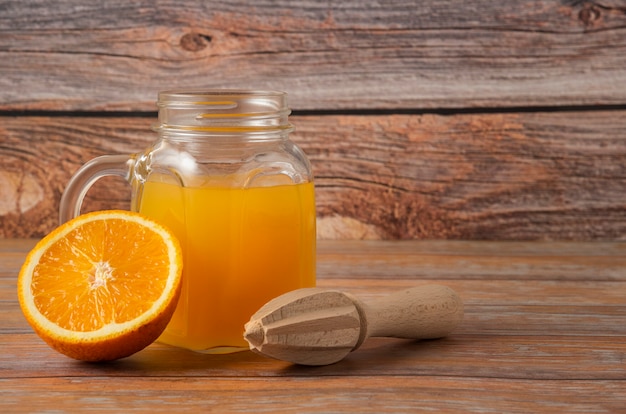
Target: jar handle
x,y
86,176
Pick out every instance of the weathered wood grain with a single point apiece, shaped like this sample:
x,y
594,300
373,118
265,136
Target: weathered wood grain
x,y
554,176
538,264
398,394
116,55
510,175
540,341
500,354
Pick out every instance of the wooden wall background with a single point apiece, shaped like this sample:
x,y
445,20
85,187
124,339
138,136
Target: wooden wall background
x,y
453,119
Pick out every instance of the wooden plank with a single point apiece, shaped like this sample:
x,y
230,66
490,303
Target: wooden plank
x,y
398,394
114,55
516,176
480,355
360,250
454,260
15,246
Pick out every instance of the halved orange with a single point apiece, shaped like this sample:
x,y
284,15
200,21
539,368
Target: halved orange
x,y
101,286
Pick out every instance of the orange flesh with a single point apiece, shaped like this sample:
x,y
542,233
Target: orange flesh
x,y
93,285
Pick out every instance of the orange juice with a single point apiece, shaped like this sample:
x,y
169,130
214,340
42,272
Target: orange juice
x,y
241,246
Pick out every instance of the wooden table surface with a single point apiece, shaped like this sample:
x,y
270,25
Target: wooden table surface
x,y
544,331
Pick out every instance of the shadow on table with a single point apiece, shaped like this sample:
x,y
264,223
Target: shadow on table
x,y
394,356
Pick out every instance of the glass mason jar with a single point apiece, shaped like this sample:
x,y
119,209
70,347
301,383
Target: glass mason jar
x,y
224,176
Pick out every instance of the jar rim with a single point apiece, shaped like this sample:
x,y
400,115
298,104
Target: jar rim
x,y
233,110
190,95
